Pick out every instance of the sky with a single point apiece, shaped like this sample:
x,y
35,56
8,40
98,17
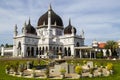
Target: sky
x,y
100,19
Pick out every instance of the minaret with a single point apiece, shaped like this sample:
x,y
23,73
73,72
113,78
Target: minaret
x,y
29,23
82,33
24,28
49,22
15,31
72,30
49,17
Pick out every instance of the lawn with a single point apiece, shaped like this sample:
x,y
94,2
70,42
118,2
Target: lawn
x,y
4,76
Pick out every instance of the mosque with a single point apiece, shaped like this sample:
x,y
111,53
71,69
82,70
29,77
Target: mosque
x,y
47,38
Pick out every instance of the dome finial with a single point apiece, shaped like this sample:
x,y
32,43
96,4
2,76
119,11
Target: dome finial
x,y
69,21
29,21
25,24
50,7
15,27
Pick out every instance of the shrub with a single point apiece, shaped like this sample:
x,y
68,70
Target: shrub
x,y
78,69
47,71
21,67
99,55
7,67
15,68
62,71
84,62
109,66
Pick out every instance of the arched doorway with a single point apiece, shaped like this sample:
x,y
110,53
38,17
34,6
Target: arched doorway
x,y
61,49
54,50
28,51
57,50
65,51
77,44
37,51
69,51
46,49
40,50
77,53
32,51
19,48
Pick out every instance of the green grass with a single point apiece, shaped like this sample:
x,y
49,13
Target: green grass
x,y
4,76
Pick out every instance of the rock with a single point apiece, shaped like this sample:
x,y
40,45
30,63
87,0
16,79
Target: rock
x,y
105,72
90,75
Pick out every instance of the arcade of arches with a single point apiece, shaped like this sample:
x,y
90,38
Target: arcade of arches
x,y
33,51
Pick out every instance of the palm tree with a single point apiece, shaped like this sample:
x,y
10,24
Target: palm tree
x,y
112,45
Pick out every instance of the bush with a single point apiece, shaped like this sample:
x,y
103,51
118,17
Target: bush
x,y
84,62
21,67
109,66
78,69
99,55
7,67
62,71
47,71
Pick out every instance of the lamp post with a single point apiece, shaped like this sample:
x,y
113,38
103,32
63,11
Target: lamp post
x,y
59,55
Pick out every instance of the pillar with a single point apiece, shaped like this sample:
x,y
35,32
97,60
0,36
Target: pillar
x,y
35,48
80,53
2,51
90,54
94,55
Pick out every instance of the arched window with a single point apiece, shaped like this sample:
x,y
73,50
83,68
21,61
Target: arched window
x,y
77,44
46,48
61,49
57,50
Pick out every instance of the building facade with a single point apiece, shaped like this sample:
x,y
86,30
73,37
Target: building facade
x,y
49,37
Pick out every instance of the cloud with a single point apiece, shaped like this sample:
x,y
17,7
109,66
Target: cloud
x,y
99,18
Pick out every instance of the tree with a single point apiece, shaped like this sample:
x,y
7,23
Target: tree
x,y
99,55
112,45
2,45
107,53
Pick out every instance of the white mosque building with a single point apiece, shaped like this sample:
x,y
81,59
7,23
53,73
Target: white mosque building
x,y
48,37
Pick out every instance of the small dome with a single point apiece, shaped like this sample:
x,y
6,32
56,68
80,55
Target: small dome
x,y
68,29
55,19
30,29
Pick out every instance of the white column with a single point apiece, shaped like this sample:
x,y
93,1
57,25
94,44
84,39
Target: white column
x,y
94,55
2,51
80,53
35,51
49,19
90,54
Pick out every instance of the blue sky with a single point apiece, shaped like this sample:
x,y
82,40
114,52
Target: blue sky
x,y
100,19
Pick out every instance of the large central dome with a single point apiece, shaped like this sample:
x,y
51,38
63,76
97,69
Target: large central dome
x,y
55,20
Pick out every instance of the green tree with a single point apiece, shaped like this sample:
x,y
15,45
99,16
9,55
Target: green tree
x,y
99,55
2,45
112,45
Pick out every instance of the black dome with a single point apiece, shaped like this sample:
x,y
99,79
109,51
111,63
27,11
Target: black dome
x,y
55,19
68,29
30,29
